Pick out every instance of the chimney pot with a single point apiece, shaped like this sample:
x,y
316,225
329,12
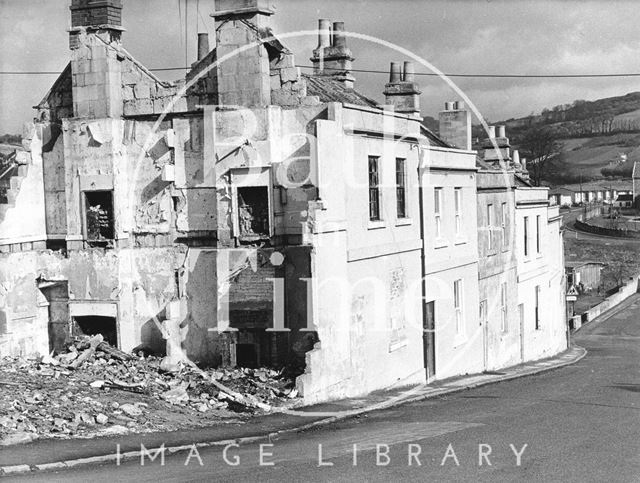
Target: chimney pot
x,y
501,131
516,157
448,106
394,72
492,132
203,45
324,33
409,72
459,105
339,39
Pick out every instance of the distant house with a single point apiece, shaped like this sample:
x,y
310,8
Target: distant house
x,y
623,201
585,275
561,196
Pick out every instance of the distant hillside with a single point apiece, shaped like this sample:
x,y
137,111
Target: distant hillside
x,y
585,118
600,139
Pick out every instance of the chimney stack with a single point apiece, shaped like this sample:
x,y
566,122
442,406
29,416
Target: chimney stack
x,y
243,79
97,88
455,125
402,92
203,45
332,57
102,17
497,135
324,33
395,73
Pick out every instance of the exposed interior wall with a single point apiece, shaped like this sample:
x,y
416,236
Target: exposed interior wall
x,y
22,219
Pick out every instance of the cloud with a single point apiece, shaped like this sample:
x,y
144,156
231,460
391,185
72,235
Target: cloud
x,y
534,37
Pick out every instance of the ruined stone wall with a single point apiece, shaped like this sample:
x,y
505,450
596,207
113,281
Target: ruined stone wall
x,y
144,94
22,217
58,102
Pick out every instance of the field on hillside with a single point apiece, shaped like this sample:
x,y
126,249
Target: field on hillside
x,y
587,156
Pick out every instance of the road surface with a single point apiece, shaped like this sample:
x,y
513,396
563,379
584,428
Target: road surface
x,y
579,423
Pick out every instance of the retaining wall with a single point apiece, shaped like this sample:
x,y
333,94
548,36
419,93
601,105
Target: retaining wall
x,y
626,291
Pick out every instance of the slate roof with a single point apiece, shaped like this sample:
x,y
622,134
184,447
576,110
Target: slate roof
x,y
433,139
331,90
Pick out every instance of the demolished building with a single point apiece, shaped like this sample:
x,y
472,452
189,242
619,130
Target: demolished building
x,y
246,215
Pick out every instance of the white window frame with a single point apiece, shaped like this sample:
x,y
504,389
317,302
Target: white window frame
x,y
538,239
437,209
503,307
458,290
505,233
490,225
457,197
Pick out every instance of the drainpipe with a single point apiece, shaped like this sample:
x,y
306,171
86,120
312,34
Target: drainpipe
x,y
423,256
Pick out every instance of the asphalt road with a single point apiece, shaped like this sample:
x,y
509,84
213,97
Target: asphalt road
x,y
579,423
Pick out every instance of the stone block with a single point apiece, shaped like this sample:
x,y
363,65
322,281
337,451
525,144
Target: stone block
x,y
132,77
275,82
82,66
158,105
230,35
144,106
290,74
127,93
310,101
79,80
142,91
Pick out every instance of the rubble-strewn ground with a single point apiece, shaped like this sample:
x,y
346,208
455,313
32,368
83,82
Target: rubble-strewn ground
x,y
49,398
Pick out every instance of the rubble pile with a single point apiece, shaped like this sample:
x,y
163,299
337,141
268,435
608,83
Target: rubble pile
x,y
95,389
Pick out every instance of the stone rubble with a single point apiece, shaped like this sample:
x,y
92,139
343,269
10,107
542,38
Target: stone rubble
x,y
95,389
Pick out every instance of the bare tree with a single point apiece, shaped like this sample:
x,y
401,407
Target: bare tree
x,y
540,144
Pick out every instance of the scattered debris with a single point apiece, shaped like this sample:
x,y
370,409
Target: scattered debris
x,y
95,388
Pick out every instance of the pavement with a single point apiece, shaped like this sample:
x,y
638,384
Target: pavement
x,y
47,455
579,423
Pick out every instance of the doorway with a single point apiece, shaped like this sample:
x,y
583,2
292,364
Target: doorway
x,y
485,333
429,340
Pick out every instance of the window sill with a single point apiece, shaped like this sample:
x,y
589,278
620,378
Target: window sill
x,y
460,241
398,344
404,221
376,225
440,243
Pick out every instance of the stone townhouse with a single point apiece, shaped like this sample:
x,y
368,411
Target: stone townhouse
x,y
520,252
251,215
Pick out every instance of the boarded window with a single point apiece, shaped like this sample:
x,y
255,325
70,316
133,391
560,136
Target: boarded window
x,y
99,216
253,213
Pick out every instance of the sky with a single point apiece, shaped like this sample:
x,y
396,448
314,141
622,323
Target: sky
x,y
455,36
